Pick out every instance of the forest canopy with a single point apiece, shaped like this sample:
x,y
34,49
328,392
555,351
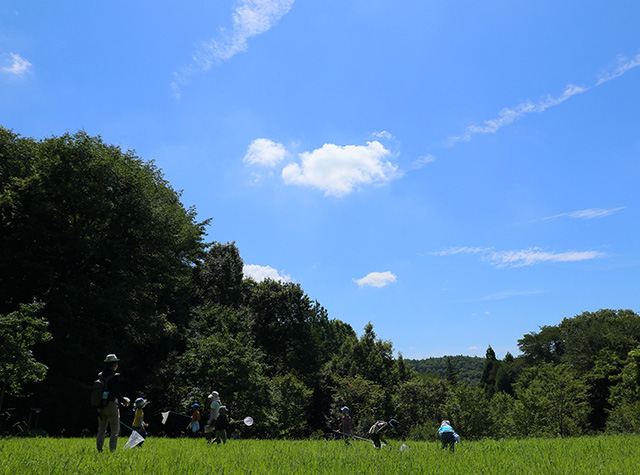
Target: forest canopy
x,y
99,255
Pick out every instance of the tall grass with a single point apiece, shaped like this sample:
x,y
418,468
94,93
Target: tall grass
x,y
614,454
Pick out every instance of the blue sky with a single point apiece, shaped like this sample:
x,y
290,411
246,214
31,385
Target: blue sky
x,y
457,173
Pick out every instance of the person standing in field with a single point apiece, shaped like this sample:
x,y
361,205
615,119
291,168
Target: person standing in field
x,y
139,425
447,435
215,408
346,424
377,429
222,423
109,415
194,425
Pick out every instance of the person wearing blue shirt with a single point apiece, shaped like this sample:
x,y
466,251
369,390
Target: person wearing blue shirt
x,y
447,435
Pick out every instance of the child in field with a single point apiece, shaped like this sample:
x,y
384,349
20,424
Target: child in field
x,y
346,424
376,430
222,423
215,408
447,435
139,425
194,425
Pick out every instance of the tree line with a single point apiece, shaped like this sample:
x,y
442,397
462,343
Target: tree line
x,y
100,256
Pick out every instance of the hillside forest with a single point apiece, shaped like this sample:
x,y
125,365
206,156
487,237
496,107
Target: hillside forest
x,y
99,255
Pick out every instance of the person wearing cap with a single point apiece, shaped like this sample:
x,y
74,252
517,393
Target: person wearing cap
x,y
376,430
194,425
139,425
447,435
109,415
215,408
346,424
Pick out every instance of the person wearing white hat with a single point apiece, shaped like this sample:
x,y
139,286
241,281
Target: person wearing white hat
x,y
109,414
215,408
139,425
447,435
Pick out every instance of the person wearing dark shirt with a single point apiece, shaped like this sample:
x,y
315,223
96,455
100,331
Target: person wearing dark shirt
x,y
222,423
109,415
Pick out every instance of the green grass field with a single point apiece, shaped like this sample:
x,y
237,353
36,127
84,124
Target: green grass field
x,y
616,454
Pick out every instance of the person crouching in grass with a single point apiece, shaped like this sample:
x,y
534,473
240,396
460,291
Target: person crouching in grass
x,y
376,430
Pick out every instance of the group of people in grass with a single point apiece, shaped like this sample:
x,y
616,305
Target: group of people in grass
x,y
218,422
448,436
109,411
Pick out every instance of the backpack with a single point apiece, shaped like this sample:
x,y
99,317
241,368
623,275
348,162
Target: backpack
x,y
98,389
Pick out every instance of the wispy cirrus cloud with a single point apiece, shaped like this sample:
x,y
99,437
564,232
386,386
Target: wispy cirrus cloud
x,y
16,65
586,213
421,162
376,279
509,115
505,294
623,64
338,170
260,273
250,18
524,257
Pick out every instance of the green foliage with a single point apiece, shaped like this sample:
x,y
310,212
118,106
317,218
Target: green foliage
x,y
101,238
468,369
367,400
19,332
289,406
554,400
420,405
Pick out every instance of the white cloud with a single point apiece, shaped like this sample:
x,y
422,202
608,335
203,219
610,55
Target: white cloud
x,y
532,256
421,162
260,273
460,250
623,65
504,294
17,65
338,170
587,213
508,116
376,279
383,135
264,152
250,18
522,258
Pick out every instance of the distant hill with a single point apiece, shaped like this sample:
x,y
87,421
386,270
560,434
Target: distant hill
x,y
469,367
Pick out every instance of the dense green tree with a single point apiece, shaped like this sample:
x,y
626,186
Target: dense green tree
x,y
100,237
283,321
507,374
219,355
545,346
367,400
367,356
288,411
504,416
468,410
452,370
420,405
19,332
489,372
469,368
218,277
554,400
